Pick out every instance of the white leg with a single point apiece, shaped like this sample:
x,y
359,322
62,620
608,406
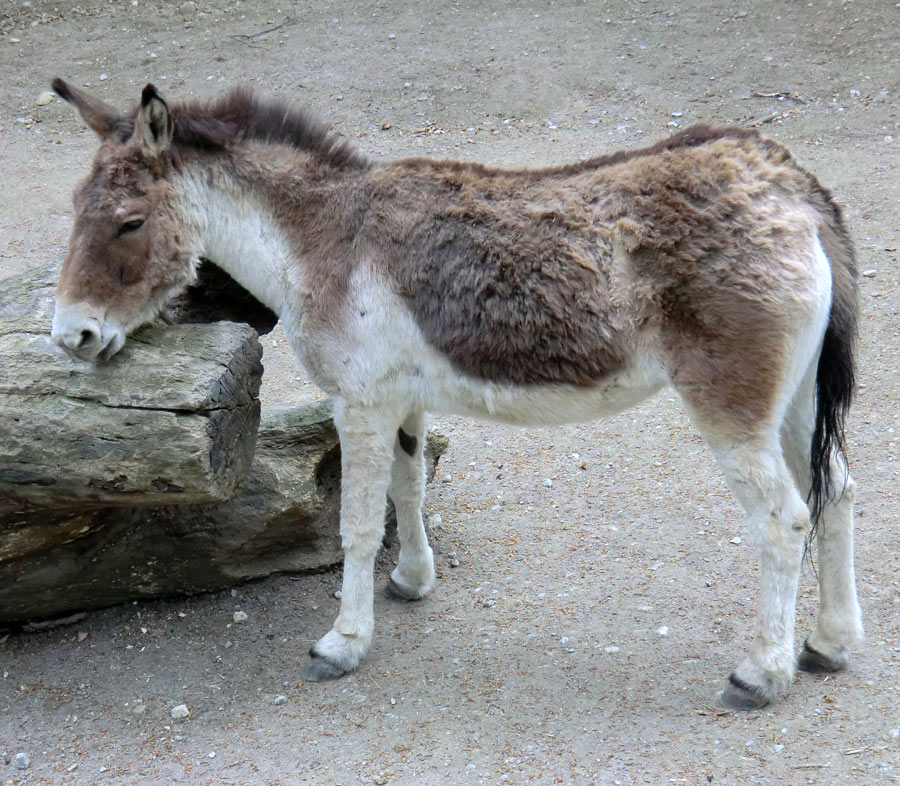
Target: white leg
x,y
779,520
367,451
414,575
839,623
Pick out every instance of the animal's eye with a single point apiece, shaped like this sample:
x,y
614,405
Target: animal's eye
x,y
130,226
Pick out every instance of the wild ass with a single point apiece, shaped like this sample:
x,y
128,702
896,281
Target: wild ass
x,y
711,262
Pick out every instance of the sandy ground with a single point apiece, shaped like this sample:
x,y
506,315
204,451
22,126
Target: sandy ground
x,y
539,660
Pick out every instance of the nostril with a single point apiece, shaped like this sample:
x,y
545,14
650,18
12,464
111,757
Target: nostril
x,y
83,338
86,338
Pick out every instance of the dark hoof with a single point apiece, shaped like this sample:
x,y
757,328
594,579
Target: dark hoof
x,y
393,591
738,695
815,662
317,669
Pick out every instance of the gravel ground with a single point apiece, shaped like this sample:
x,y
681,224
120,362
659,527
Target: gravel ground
x,y
589,621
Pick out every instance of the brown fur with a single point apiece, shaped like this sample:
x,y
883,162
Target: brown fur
x,y
693,260
514,274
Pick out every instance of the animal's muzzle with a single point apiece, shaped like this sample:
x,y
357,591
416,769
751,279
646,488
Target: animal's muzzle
x,y
85,337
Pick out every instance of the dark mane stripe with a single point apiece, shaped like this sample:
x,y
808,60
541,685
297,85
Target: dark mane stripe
x,y
242,116
694,136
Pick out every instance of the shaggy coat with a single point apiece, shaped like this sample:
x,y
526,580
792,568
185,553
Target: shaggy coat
x,y
711,262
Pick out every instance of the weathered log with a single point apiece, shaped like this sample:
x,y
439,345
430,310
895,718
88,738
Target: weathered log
x,y
173,417
283,518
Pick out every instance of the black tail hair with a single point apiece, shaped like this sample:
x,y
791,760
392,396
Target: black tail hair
x,y
836,372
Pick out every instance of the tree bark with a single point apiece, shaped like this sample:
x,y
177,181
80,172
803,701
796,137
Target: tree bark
x,y
170,419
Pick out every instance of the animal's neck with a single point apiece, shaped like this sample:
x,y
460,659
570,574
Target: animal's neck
x,y
233,224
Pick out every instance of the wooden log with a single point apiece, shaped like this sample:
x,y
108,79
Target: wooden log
x,y
172,418
283,518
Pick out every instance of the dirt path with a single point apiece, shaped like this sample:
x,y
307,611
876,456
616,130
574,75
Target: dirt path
x,y
541,659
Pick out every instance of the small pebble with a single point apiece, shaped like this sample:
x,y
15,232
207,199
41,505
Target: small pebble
x,y
47,97
488,602
610,650
736,540
212,754
435,521
454,563
338,594
895,733
240,616
21,761
280,699
663,630
547,483
870,273
181,711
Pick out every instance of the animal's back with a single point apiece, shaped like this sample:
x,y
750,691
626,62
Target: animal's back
x,y
555,275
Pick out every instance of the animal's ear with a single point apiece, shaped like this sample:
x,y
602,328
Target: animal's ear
x,y
155,125
99,117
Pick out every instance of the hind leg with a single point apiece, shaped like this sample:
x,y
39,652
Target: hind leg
x,y
779,519
839,623
414,575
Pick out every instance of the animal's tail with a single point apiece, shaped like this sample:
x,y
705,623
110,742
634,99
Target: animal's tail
x,y
836,372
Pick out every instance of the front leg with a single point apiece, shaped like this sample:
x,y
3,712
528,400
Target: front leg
x,y
367,449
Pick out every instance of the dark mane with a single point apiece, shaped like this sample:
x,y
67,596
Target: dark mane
x,y
241,116
694,136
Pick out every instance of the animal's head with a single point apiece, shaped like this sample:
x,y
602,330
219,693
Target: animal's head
x,y
127,254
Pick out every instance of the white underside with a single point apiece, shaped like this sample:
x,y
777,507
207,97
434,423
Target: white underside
x,y
381,359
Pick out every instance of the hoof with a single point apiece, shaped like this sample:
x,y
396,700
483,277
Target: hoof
x,y
393,591
737,695
317,669
815,662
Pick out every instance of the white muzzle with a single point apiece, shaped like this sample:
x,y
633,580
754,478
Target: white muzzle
x,y
78,330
